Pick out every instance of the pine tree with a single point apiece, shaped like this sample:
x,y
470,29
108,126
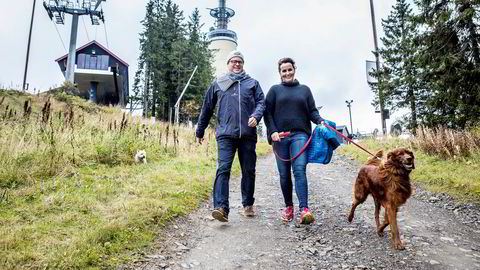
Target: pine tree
x,y
169,51
449,60
148,41
199,55
399,74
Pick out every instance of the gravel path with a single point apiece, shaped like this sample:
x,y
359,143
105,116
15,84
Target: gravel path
x,y
439,233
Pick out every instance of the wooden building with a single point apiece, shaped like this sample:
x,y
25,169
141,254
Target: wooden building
x,y
344,131
100,75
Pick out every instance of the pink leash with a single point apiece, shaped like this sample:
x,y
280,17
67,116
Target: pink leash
x,y
346,138
285,134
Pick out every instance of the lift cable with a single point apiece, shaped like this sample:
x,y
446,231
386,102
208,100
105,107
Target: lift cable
x,y
85,27
60,36
106,36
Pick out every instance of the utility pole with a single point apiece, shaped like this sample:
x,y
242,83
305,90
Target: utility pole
x,y
350,112
145,93
28,49
377,62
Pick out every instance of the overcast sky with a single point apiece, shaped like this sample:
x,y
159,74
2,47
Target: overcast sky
x,y
329,39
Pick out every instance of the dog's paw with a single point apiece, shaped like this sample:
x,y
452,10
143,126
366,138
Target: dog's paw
x,y
350,218
380,233
398,245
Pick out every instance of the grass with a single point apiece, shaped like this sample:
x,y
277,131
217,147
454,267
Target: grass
x,y
457,176
71,196
93,219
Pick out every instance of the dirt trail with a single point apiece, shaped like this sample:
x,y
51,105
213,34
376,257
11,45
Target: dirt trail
x,y
438,233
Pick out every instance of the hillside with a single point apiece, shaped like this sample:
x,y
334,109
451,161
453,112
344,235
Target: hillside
x,y
71,195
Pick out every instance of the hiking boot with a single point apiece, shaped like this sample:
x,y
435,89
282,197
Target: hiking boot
x,y
306,217
288,214
248,211
220,214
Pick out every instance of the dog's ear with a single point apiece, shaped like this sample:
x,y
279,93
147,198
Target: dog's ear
x,y
379,154
390,155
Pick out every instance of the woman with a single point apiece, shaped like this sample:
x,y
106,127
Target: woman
x,y
290,107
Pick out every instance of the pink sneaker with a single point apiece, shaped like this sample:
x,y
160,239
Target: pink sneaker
x,y
288,214
306,217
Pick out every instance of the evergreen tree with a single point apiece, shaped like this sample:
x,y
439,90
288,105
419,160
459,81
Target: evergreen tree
x,y
449,60
136,99
169,51
201,56
169,62
146,59
399,73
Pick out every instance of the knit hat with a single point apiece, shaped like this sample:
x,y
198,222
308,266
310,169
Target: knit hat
x,y
233,54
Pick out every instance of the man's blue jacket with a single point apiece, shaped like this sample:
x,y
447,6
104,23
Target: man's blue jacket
x,y
239,101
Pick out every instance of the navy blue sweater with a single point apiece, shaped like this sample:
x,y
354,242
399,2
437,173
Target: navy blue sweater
x,y
290,107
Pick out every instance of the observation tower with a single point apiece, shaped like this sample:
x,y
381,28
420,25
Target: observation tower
x,y
222,40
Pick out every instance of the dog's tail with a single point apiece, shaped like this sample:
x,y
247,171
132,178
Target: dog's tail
x,y
375,160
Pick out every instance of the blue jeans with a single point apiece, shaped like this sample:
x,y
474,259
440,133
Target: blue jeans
x,y
247,156
287,148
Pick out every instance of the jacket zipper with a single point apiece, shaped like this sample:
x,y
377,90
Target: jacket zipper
x,y
239,111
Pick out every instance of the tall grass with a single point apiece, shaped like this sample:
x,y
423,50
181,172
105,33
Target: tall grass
x,y
71,196
37,144
447,143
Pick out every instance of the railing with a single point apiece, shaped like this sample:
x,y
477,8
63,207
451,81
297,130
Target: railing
x,y
219,33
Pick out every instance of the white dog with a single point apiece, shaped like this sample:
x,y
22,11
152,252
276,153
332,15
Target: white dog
x,y
141,156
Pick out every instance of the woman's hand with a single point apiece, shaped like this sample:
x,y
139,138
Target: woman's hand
x,y
275,137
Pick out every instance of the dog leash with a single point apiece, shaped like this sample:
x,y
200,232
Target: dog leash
x,y
286,134
348,139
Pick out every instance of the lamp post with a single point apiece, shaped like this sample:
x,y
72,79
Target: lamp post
x,y
377,63
350,112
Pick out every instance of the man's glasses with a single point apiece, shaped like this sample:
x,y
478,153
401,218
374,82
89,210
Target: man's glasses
x,y
235,62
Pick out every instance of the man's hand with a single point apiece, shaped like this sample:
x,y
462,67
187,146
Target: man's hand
x,y
199,140
275,137
252,122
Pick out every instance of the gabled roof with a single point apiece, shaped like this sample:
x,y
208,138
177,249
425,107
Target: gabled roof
x,y
99,45
341,127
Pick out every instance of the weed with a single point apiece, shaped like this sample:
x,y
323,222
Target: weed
x,y
447,143
71,196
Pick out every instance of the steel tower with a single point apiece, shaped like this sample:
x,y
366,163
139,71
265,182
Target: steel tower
x,y
222,40
57,9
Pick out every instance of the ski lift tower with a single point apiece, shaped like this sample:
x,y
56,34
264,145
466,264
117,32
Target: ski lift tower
x,y
222,40
56,9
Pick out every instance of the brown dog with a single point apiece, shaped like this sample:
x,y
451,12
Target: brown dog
x,y
389,183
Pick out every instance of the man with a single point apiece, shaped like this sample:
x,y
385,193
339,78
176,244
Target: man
x,y
240,107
